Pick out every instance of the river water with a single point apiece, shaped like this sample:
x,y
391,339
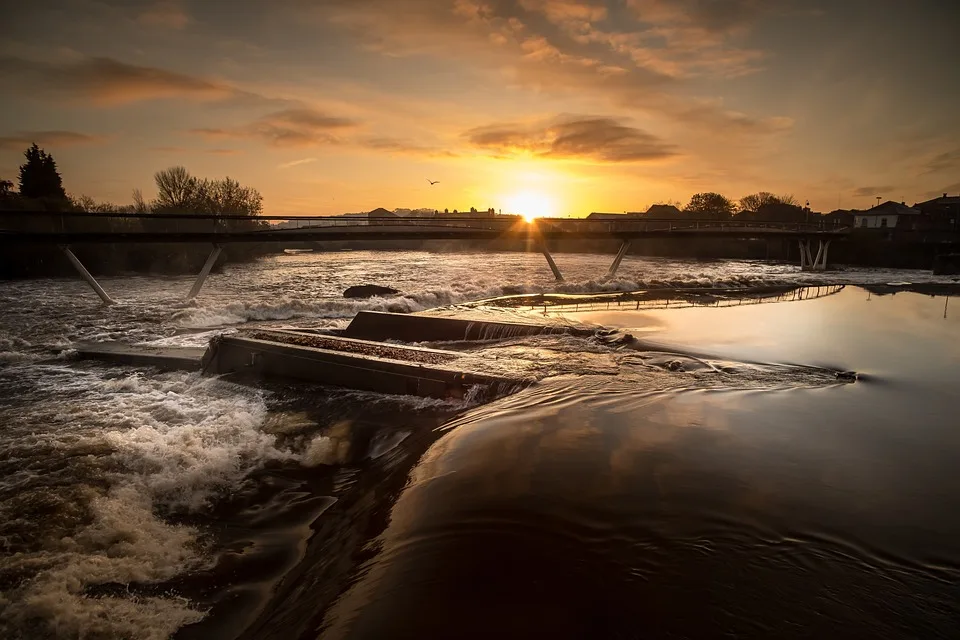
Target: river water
x,y
704,474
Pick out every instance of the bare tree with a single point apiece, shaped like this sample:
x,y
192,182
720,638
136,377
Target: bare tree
x,y
177,190
139,204
755,201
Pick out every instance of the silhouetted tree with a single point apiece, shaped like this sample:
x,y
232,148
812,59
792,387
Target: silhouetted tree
x,y
39,177
180,192
755,201
227,196
139,204
177,190
709,205
6,188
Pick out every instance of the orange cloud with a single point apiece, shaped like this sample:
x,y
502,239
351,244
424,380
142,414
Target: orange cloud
x,y
297,127
47,138
595,138
111,82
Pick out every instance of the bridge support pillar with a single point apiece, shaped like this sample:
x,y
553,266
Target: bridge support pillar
x,y
823,261
207,266
624,248
86,274
553,265
807,260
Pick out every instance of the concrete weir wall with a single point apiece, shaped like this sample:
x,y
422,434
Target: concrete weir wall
x,y
263,358
379,325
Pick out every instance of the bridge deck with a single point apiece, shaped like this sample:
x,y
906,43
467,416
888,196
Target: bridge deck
x,y
46,228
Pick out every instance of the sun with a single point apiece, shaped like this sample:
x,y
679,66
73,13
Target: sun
x,y
531,204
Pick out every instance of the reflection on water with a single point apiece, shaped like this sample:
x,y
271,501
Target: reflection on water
x,y
641,505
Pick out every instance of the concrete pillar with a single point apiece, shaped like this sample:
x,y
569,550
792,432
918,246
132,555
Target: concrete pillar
x,y
207,266
803,256
826,248
816,261
624,248
86,275
553,265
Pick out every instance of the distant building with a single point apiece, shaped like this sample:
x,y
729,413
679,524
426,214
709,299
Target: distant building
x,y
889,215
940,213
663,211
606,216
381,216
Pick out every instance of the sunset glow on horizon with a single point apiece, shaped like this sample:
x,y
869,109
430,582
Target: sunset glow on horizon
x,y
546,107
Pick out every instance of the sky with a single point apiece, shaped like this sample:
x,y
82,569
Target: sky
x,y
565,106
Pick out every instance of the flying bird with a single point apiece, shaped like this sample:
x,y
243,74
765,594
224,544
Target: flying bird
x,y
432,182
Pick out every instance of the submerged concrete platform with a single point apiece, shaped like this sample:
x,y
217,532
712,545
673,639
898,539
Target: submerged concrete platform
x,y
380,325
258,358
164,358
356,359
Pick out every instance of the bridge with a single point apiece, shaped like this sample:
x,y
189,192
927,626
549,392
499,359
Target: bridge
x,y
66,229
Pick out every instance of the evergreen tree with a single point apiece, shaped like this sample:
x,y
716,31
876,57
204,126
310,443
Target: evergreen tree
x,y
39,177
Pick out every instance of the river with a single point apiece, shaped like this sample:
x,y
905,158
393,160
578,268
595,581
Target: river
x,y
706,474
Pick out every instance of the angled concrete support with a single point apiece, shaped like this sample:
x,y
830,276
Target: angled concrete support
x,y
86,275
807,260
823,262
624,248
553,265
207,266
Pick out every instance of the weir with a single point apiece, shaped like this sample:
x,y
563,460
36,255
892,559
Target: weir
x,y
347,361
408,370
380,325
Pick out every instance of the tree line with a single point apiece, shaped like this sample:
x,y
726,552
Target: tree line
x,y
756,206
40,191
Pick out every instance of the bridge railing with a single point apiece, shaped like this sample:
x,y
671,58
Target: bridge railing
x,y
176,223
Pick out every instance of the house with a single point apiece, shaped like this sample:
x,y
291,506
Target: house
x,y
888,215
606,216
382,216
941,213
663,211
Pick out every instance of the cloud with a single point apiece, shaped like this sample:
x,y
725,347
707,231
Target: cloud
x,y
950,189
166,14
638,57
297,127
872,191
573,137
295,163
216,152
23,139
107,81
947,161
710,16
396,145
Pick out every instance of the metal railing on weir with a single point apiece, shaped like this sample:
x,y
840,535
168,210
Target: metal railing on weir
x,y
653,299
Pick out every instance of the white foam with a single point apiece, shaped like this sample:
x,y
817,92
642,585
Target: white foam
x,y
168,443
124,544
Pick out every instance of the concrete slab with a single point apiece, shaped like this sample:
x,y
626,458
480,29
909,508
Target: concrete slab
x,y
380,325
165,358
250,357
